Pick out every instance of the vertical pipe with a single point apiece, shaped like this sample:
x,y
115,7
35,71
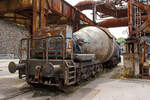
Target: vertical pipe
x,y
47,49
35,20
28,52
130,16
144,51
29,46
42,15
133,64
94,12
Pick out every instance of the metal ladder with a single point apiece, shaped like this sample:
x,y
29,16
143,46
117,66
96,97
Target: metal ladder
x,y
138,23
137,20
71,75
137,17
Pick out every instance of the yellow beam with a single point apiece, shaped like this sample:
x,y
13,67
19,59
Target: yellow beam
x,y
12,5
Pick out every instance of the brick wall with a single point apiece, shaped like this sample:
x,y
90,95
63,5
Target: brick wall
x,y
10,36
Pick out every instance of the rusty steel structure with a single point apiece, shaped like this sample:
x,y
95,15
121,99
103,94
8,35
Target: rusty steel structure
x,y
35,14
23,13
108,8
121,16
144,10
138,40
51,55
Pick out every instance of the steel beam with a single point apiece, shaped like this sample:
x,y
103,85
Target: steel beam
x,y
36,11
106,8
65,9
11,5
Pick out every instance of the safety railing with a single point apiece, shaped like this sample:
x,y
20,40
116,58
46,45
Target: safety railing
x,y
51,47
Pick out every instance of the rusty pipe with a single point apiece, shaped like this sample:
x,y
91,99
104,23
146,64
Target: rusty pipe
x,y
117,22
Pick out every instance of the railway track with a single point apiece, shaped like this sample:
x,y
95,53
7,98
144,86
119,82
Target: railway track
x,y
17,94
47,91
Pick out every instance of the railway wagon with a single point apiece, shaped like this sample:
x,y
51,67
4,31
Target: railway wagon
x,y
65,58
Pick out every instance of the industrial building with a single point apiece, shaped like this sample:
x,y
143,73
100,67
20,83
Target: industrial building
x,y
59,45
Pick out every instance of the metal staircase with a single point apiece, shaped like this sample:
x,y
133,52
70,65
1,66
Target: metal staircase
x,y
71,72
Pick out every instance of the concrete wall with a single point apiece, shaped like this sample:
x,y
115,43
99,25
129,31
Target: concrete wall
x,y
10,35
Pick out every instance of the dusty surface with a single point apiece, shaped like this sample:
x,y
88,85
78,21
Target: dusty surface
x,y
102,88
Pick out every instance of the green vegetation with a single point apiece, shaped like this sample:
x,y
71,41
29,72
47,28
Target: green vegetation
x,y
121,40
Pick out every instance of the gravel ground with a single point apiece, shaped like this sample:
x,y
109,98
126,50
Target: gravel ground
x,y
102,88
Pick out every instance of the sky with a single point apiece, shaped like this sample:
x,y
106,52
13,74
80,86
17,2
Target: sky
x,y
117,32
